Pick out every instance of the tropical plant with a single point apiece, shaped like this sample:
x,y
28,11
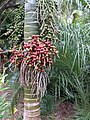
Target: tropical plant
x,y
69,75
47,105
70,72
35,57
47,18
4,104
12,29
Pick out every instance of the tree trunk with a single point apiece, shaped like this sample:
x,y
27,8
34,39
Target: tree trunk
x,y
31,106
31,26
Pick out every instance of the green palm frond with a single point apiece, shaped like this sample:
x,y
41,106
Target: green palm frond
x,y
74,57
4,105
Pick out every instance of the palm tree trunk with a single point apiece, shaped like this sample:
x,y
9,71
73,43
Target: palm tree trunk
x,y
31,101
31,19
31,106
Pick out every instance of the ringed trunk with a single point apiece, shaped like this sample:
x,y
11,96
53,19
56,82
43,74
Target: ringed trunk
x,y
31,22
31,106
31,26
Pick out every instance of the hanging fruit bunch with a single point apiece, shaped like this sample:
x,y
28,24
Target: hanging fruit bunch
x,y
36,54
16,57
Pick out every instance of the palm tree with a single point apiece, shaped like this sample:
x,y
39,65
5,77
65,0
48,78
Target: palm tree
x,y
31,100
37,80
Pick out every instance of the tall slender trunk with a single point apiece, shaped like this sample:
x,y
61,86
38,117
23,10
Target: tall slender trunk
x,y
31,101
31,106
31,19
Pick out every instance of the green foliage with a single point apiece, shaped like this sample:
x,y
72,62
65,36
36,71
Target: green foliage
x,y
12,94
16,90
73,46
4,104
47,105
70,74
13,27
71,70
47,18
67,10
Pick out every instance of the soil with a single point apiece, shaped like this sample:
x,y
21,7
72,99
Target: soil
x,y
63,111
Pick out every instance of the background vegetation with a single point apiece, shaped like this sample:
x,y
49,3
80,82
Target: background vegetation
x,y
68,23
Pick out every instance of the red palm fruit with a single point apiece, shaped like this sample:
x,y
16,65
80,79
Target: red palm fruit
x,y
35,49
34,45
28,46
34,42
37,36
16,52
12,57
13,61
25,43
38,69
41,52
34,53
37,44
45,52
32,64
42,70
13,51
42,48
33,56
20,61
50,59
34,60
25,46
20,55
38,49
33,36
37,58
50,62
29,53
35,39
43,58
44,41
47,43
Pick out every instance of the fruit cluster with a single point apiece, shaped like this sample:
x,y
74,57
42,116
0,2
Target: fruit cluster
x,y
16,57
36,54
